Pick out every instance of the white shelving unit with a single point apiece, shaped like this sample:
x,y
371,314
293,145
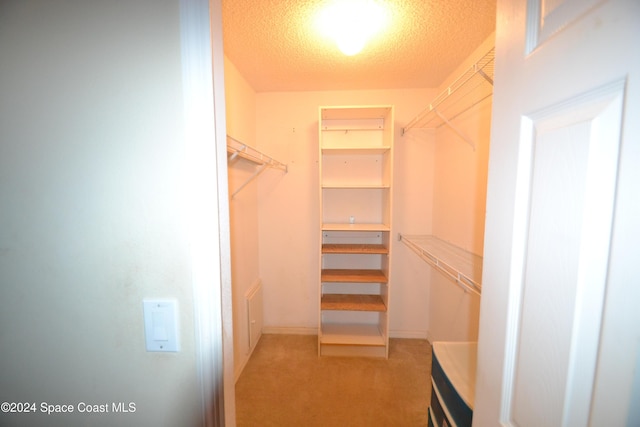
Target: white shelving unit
x,y
239,150
469,89
461,266
356,160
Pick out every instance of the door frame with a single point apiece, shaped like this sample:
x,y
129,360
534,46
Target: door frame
x,y
207,206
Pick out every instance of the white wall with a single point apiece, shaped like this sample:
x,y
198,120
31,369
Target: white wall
x,y
243,208
287,128
459,210
91,188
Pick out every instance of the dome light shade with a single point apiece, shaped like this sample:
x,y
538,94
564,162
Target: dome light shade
x,y
351,23
351,45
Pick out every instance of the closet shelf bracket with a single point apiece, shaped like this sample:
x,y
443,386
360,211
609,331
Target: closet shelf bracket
x,y
260,169
486,77
237,149
469,89
455,129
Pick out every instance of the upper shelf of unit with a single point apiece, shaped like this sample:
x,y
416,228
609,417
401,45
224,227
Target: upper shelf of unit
x,y
339,125
469,89
354,227
355,118
463,267
355,112
355,150
237,149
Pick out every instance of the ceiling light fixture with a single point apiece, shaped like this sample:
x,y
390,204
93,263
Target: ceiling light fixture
x,y
351,23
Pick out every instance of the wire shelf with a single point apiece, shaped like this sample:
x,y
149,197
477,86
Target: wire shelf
x,y
237,149
463,267
469,89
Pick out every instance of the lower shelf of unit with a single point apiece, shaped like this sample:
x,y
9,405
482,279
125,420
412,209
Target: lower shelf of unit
x,y
352,276
354,248
352,334
348,302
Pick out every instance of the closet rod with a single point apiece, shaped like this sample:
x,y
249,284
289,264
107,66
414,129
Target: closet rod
x,y
239,149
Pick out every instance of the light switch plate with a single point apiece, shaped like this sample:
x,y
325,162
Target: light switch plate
x,y
161,325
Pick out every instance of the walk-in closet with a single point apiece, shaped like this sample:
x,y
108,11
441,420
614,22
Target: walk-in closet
x,y
357,213
358,198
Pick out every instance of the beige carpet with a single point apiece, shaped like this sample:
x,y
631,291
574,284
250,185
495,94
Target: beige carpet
x,y
285,383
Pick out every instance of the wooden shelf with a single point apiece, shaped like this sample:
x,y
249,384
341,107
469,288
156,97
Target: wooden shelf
x,y
345,302
354,248
353,276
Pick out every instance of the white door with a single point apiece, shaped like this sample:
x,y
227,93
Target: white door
x,y
560,312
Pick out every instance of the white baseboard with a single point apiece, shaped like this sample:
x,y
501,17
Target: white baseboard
x,y
245,360
284,330
416,335
239,369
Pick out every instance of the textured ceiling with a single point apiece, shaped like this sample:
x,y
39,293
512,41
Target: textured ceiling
x,y
274,44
